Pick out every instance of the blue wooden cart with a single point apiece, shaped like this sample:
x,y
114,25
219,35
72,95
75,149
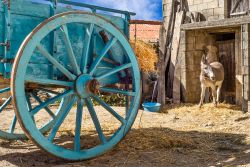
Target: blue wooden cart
x,y
55,55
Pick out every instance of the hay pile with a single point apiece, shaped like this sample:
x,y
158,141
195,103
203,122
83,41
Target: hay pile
x,y
146,55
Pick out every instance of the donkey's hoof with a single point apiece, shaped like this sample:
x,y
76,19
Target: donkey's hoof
x,y
200,106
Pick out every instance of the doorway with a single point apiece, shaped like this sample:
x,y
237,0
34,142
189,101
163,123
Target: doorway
x,y
226,56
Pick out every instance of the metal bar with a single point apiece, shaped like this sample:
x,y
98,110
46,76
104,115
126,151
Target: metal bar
x,y
80,4
7,37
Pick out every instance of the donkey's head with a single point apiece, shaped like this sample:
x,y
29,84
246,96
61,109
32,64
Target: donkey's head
x,y
206,69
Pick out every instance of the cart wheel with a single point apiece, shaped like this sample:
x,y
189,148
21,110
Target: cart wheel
x,y
89,76
10,130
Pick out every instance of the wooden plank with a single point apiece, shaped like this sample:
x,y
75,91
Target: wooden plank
x,y
174,71
227,23
235,6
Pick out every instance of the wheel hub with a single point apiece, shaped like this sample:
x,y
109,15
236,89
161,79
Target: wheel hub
x,y
86,85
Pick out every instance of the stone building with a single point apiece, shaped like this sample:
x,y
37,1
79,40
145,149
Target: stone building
x,y
225,25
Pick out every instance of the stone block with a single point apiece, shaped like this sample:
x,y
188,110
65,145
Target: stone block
x,y
202,7
213,4
193,8
211,18
219,11
190,2
221,3
197,2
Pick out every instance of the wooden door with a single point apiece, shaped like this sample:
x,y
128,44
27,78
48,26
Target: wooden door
x,y
227,59
238,7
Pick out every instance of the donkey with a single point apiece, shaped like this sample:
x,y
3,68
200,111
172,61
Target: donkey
x,y
212,75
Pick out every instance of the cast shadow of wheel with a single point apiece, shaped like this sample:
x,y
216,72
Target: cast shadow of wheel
x,y
147,147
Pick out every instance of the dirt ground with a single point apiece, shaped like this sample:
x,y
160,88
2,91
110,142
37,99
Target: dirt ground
x,y
180,135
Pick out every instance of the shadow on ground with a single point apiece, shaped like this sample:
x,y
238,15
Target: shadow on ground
x,y
146,147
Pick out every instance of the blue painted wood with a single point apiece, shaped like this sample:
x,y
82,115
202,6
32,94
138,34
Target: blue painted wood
x,y
96,64
26,15
109,109
40,103
77,140
100,57
60,119
95,120
118,91
50,101
13,125
4,105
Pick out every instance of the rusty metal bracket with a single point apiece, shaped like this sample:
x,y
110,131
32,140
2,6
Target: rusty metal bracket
x,y
4,60
6,2
6,44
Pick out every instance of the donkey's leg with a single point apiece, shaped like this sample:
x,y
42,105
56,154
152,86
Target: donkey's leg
x,y
203,91
214,95
218,93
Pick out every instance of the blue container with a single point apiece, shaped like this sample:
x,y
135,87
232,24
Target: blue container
x,y
151,107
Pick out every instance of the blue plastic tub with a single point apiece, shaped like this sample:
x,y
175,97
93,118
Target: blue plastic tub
x,y
151,107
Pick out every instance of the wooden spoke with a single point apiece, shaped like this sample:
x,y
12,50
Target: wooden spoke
x,y
115,70
85,56
109,109
235,6
29,106
103,53
118,91
49,91
77,141
52,100
60,120
70,51
49,82
4,105
95,121
59,66
5,90
13,125
40,102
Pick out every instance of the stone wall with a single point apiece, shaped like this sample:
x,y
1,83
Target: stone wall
x,y
211,9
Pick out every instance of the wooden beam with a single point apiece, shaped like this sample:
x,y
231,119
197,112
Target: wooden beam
x,y
235,6
174,71
229,22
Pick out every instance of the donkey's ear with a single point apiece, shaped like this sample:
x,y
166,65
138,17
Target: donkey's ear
x,y
204,59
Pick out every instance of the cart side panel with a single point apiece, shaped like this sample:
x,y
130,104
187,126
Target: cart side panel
x,y
26,15
1,30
